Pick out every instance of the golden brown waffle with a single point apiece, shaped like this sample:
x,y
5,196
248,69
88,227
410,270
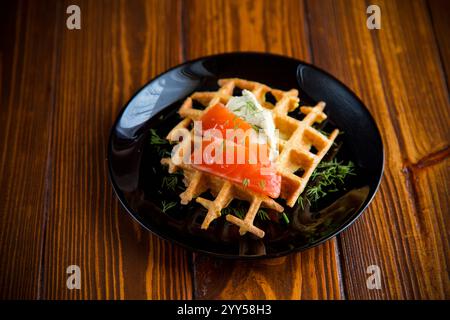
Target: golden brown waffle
x,y
296,138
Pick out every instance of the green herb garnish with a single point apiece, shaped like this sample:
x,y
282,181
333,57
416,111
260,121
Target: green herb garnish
x,y
285,218
301,201
255,127
326,178
252,107
162,146
167,205
314,193
169,182
238,212
263,215
262,184
333,171
156,139
245,182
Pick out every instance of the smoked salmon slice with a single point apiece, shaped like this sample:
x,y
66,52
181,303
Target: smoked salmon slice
x,y
243,163
220,118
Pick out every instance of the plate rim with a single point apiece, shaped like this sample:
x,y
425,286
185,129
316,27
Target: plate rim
x,y
154,231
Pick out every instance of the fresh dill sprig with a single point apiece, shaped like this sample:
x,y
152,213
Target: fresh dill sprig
x,y
225,211
332,171
167,205
252,107
285,218
156,139
173,181
161,145
238,212
163,152
255,127
239,209
169,182
326,134
314,193
263,215
326,178
301,201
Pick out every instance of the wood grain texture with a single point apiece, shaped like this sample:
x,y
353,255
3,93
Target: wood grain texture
x,y
258,26
61,91
405,48
121,45
308,275
431,189
439,11
392,233
27,80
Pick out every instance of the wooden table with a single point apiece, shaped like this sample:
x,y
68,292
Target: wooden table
x,y
62,89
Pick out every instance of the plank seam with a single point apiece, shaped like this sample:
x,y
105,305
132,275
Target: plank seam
x,y
431,159
412,192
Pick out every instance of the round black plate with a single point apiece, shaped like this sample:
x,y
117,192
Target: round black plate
x,y
138,184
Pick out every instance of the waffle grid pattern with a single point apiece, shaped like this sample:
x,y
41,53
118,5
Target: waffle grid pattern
x,y
296,140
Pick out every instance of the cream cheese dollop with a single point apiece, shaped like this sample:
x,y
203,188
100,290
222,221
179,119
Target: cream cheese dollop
x,y
248,108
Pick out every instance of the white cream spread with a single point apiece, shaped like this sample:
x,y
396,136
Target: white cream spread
x,y
248,108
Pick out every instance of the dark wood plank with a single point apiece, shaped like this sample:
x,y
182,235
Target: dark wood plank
x,y
278,27
308,275
121,45
27,82
412,77
439,10
382,67
431,187
61,90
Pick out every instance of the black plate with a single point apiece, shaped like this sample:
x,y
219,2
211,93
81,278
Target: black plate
x,y
131,159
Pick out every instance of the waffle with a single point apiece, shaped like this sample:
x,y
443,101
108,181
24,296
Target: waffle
x,y
295,142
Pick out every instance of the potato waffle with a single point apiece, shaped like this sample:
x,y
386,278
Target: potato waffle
x,y
295,162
